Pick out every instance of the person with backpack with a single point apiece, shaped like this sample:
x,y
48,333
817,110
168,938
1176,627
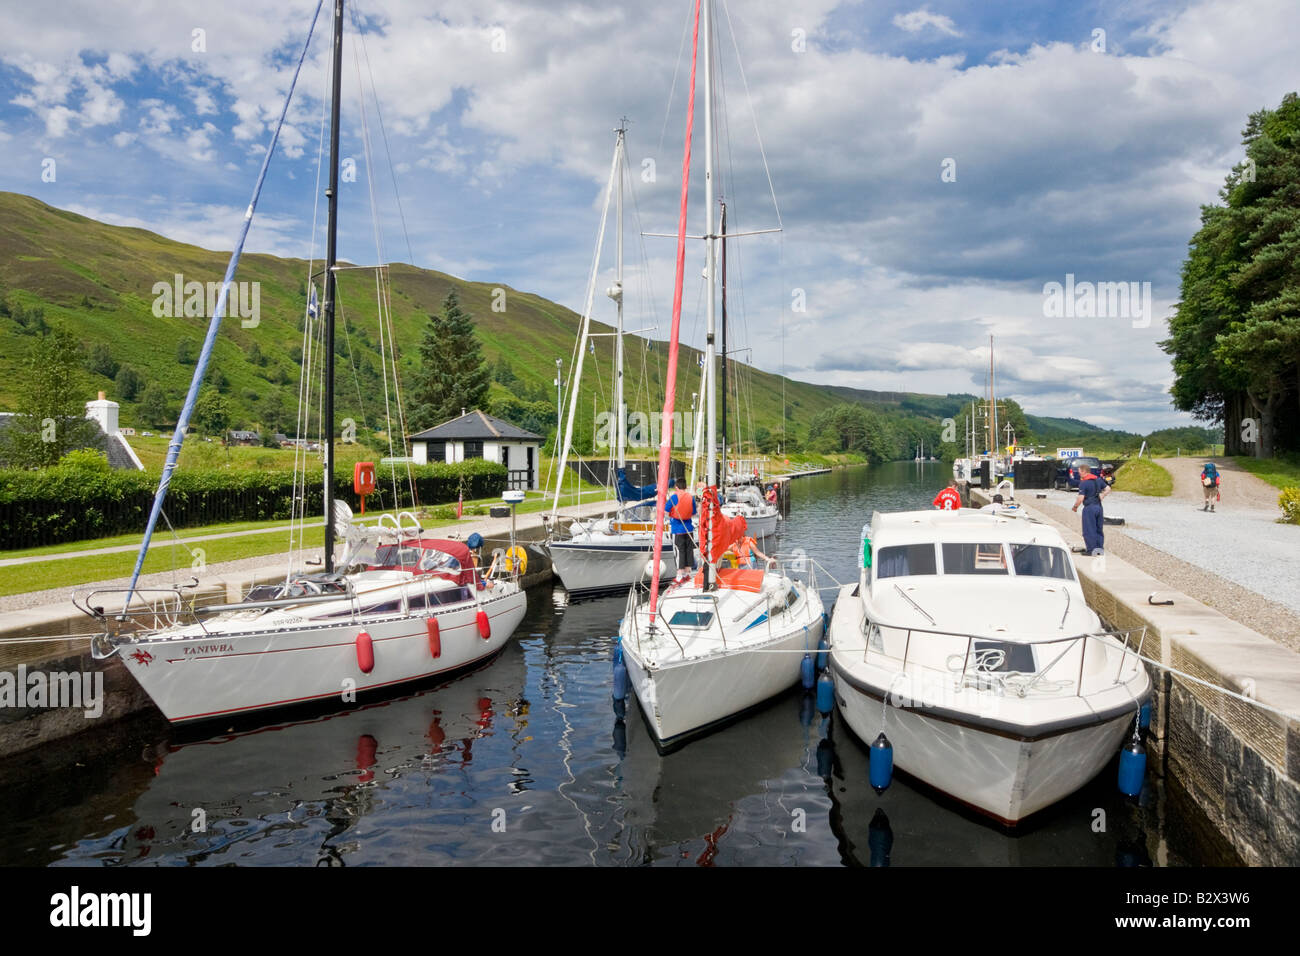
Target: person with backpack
x,y
1210,485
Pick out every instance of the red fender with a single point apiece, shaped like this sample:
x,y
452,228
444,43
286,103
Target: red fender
x,y
484,625
435,640
365,652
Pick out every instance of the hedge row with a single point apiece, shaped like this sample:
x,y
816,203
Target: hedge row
x,y
65,503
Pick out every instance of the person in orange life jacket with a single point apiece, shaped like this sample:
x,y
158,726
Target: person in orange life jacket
x,y
1091,490
746,554
949,499
681,507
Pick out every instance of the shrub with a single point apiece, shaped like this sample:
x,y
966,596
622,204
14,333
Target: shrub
x,y
73,502
1289,502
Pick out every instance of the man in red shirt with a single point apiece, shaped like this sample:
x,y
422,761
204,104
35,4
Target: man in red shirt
x,y
949,499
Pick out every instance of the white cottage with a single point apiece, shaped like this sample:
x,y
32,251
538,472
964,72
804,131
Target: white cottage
x,y
479,435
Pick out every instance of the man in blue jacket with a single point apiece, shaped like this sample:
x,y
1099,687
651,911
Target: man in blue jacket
x,y
1091,490
681,508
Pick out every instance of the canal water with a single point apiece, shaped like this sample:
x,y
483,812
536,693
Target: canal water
x,y
525,761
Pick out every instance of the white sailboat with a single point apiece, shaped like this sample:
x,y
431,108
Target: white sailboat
x,y
714,645
604,555
398,605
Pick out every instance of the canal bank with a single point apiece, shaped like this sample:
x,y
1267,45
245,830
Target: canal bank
x,y
1226,721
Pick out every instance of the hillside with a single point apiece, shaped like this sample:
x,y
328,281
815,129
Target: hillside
x,y
97,281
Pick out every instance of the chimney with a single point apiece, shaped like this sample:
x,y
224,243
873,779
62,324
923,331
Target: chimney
x,y
104,412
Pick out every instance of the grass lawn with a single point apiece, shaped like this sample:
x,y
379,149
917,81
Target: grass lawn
x,y
165,554
1144,477
1278,472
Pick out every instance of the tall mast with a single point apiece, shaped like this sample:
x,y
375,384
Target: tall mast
x,y
723,230
331,252
989,417
711,456
618,297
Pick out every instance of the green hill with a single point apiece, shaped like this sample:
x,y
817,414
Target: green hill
x,y
97,281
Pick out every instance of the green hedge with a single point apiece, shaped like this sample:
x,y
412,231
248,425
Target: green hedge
x,y
69,503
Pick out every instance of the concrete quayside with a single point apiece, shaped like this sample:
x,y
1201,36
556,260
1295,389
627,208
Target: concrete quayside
x,y
1226,720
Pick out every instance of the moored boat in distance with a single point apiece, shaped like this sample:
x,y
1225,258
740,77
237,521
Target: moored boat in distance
x,y
968,642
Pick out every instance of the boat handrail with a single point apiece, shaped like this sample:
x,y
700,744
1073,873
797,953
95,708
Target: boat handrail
x,y
1123,636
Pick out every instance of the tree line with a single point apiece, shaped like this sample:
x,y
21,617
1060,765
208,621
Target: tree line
x,y
1235,335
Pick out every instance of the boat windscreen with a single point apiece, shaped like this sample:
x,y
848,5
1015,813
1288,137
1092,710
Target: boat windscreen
x,y
1040,560
905,560
975,558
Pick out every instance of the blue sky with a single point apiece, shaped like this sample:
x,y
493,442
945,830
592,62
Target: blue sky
x,y
1074,153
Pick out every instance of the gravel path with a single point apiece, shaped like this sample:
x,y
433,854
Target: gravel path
x,y
1240,562
1240,489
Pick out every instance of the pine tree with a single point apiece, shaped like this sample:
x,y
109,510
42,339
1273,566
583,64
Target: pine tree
x,y
452,373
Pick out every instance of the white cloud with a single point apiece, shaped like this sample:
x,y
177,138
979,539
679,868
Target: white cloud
x,y
918,20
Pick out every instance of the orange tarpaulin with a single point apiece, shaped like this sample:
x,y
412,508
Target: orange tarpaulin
x,y
735,579
725,531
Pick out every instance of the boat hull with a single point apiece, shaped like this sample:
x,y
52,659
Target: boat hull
x,y
682,699
999,774
218,674
586,570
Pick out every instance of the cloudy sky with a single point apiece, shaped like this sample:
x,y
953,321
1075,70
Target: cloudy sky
x,y
933,166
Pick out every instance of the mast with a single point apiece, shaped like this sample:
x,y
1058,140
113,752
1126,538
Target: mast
x,y
993,438
331,254
711,455
618,298
724,347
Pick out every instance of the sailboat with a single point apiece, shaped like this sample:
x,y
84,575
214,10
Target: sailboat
x,y
607,555
714,645
398,606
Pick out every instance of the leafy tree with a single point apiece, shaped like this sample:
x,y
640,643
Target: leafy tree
x,y
273,412
1235,335
212,413
154,407
185,352
129,383
255,355
452,374
101,361
51,412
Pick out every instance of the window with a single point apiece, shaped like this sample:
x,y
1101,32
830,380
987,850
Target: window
x,y
437,451
435,560
1039,560
393,556
974,559
691,619
904,560
473,449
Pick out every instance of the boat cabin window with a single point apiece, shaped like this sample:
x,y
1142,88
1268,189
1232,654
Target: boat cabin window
x,y
904,560
691,619
962,558
435,560
1040,560
439,597
397,556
